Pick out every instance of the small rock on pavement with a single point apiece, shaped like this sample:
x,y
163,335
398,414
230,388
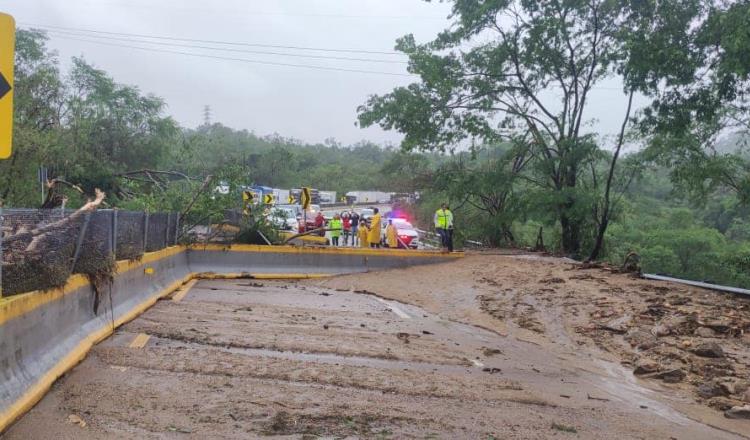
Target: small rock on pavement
x,y
710,389
76,420
722,403
671,375
618,325
733,385
704,332
640,339
709,350
661,330
645,366
738,412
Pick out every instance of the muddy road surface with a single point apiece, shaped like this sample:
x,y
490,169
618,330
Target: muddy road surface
x,y
412,353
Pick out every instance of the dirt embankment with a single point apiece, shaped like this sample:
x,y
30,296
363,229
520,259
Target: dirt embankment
x,y
689,341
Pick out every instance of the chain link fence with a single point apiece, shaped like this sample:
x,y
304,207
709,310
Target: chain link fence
x,y
40,249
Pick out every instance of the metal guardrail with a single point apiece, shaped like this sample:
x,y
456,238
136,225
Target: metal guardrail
x,y
701,284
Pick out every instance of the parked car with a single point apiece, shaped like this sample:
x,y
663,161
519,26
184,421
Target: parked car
x,y
308,218
408,237
283,218
296,208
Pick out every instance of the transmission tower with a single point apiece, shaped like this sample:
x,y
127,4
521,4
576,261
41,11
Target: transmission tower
x,y
207,115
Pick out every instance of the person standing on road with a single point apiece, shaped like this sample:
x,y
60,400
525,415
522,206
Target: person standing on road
x,y
444,224
335,225
354,218
363,234
391,235
320,223
449,236
375,226
347,228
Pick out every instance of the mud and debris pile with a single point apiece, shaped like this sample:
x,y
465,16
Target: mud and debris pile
x,y
685,338
681,335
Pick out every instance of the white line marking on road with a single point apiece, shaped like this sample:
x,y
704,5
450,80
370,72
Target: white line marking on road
x,y
394,309
477,363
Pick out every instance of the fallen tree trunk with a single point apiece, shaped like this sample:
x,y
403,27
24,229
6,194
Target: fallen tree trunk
x,y
39,232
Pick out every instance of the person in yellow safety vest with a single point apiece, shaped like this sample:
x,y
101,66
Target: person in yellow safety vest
x,y
375,225
391,235
336,226
362,234
444,227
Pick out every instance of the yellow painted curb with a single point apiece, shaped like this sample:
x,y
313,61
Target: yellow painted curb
x,y
17,305
314,239
260,276
40,388
289,276
365,252
21,304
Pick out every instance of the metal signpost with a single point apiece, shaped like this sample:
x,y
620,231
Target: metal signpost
x,y
305,200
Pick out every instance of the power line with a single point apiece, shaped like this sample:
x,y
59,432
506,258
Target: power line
x,y
387,17
197,40
61,34
244,60
224,49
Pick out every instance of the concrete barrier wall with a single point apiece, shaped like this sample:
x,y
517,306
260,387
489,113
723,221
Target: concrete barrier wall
x,y
44,334
293,260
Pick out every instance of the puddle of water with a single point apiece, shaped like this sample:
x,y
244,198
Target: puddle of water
x,y
622,386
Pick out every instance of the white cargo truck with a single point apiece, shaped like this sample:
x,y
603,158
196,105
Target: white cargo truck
x,y
327,197
363,197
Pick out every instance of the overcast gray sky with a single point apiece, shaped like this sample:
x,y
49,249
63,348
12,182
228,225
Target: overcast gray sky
x,y
293,101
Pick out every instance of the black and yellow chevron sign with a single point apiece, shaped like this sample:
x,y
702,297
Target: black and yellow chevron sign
x,y
7,58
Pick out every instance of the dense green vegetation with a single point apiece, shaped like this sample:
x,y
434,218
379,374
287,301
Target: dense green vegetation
x,y
476,135
91,132
485,81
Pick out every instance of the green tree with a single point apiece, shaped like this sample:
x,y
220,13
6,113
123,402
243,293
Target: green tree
x,y
111,128
489,77
39,105
692,112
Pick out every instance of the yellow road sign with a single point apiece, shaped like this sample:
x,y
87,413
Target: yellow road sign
x,y
291,199
248,197
7,55
306,198
269,199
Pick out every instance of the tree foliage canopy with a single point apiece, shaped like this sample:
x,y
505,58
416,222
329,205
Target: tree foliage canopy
x,y
523,71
